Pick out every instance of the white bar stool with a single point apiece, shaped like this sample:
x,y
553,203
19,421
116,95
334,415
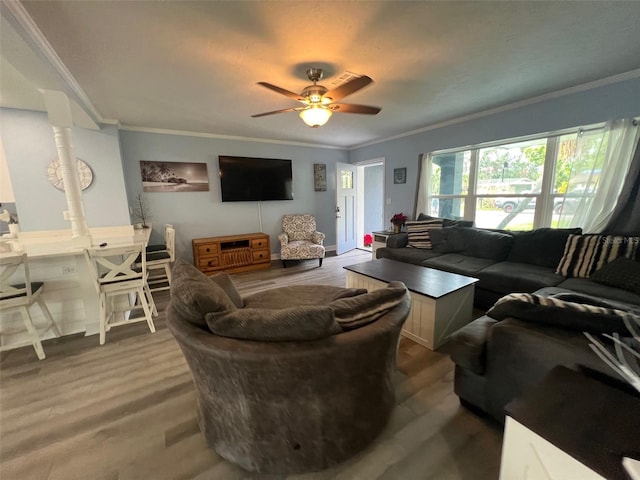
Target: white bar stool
x,y
20,296
116,275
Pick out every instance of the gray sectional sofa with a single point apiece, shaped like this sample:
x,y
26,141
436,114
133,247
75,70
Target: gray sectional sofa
x,y
507,351
504,262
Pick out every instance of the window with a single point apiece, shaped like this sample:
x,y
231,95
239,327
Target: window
x,y
548,181
346,179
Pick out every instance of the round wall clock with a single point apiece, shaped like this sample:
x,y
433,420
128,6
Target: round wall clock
x,y
54,174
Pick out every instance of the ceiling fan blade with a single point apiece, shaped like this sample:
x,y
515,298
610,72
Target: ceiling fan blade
x,y
282,91
351,108
292,109
348,88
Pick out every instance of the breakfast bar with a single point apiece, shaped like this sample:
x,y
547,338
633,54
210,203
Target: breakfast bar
x,y
69,291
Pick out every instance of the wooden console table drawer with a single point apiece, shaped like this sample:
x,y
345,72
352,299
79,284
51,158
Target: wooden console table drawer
x,y
232,253
207,249
261,256
260,243
208,263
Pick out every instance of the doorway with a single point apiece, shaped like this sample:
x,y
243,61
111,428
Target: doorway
x,y
370,200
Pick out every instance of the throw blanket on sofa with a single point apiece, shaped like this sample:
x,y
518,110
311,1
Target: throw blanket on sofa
x,y
582,312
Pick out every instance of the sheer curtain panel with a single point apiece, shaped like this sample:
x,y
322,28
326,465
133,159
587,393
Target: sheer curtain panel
x,y
598,172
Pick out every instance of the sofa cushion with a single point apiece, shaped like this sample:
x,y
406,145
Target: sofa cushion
x,y
542,246
458,263
193,294
584,254
622,273
559,313
481,243
398,240
418,232
507,277
414,256
354,312
468,346
275,325
223,280
446,222
299,296
584,285
444,241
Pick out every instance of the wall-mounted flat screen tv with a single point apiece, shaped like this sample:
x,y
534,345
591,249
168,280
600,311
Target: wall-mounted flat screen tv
x,y
246,179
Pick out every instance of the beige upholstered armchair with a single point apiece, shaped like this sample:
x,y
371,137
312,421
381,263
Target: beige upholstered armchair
x,y
300,240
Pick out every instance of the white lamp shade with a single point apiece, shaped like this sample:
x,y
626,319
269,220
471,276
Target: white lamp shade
x,y
316,116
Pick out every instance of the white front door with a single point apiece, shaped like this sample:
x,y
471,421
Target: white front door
x,y
345,207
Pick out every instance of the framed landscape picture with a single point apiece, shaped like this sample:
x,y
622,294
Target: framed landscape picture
x,y
399,175
174,176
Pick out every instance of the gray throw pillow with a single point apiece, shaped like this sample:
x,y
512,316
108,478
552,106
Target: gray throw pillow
x,y
193,294
224,281
354,312
446,240
282,325
622,273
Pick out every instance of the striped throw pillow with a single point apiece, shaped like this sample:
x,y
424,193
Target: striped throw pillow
x,y
584,254
418,232
581,312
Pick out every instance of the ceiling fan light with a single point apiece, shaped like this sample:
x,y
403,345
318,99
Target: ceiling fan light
x,y
315,116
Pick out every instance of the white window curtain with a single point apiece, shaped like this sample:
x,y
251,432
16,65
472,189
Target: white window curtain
x,y
422,200
598,172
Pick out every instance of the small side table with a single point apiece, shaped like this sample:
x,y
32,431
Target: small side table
x,y
379,241
570,426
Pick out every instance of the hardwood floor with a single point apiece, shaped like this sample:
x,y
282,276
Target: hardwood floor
x,y
126,410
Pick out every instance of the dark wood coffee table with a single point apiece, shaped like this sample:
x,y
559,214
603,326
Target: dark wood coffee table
x,y
442,301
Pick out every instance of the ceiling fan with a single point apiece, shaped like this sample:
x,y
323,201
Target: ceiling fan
x,y
319,103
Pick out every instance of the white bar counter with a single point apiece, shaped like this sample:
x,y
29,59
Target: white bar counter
x,y
69,289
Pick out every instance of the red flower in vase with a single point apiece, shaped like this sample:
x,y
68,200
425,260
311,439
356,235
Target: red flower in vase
x,y
399,219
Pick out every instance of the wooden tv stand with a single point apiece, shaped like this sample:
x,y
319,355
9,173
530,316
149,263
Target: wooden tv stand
x,y
232,253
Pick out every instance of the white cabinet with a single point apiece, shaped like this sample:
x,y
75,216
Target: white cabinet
x,y
573,425
528,456
379,241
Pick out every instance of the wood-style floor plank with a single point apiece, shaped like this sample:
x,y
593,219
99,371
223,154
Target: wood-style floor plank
x,y
126,410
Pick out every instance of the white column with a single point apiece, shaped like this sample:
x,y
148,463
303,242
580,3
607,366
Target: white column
x,y
72,190
59,112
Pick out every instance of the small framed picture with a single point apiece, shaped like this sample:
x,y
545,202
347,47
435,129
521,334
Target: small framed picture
x,y
320,177
399,175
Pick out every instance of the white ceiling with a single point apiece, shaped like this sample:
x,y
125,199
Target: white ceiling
x,y
193,66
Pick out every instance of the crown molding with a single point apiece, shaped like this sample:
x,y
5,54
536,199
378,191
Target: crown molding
x,y
34,37
621,77
163,131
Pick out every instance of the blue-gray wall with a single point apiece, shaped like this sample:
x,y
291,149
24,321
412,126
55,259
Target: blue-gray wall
x,y
29,147
115,155
618,100
202,214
